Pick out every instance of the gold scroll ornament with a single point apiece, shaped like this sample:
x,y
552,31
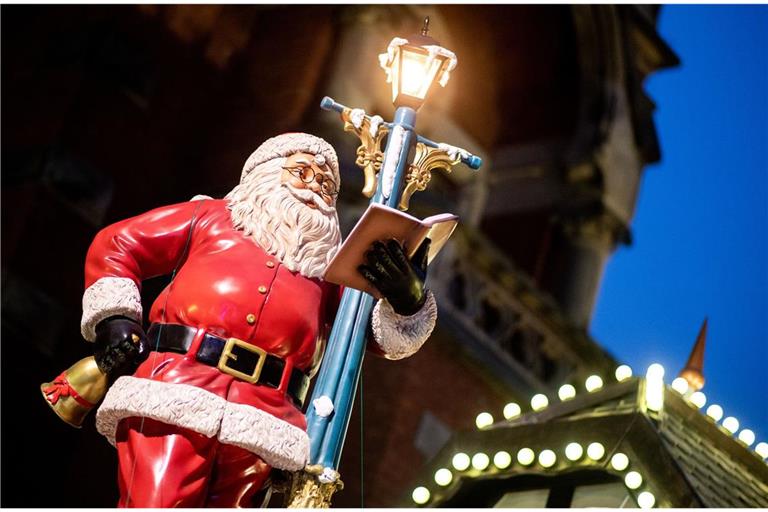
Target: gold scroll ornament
x,y
369,154
427,159
306,490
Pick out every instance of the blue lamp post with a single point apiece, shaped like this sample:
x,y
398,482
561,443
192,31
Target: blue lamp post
x,y
412,66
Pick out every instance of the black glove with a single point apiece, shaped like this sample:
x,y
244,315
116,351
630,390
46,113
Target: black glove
x,y
120,346
400,281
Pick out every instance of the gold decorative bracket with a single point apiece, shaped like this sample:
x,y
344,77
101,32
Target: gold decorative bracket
x,y
308,491
369,153
419,173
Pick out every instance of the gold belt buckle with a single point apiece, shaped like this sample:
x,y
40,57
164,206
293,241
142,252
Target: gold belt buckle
x,y
227,354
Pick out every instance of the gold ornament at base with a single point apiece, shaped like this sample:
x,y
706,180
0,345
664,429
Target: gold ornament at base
x,y
307,491
76,391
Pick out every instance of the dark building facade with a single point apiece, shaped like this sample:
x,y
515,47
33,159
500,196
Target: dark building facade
x,y
109,111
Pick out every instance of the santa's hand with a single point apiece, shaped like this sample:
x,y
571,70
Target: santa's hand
x,y
399,280
120,346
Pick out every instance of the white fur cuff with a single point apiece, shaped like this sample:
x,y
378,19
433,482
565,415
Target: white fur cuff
x,y
181,405
109,296
401,336
279,443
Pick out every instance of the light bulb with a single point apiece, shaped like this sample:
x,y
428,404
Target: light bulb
x,y
502,460
460,461
619,461
443,477
747,437
623,373
420,495
655,371
539,402
715,412
762,449
484,419
698,399
593,383
480,461
512,410
680,385
731,424
547,458
525,456
574,451
646,500
595,451
566,392
633,480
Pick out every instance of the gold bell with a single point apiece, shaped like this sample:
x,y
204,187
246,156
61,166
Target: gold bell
x,y
76,391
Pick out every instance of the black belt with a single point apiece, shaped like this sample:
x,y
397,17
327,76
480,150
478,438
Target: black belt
x,y
232,356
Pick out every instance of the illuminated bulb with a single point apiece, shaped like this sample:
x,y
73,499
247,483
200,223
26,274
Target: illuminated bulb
x,y
680,385
593,383
698,399
484,419
547,458
525,456
460,461
574,451
480,461
633,480
443,477
566,392
539,402
595,451
747,437
420,495
623,372
655,371
731,424
715,412
619,462
502,460
646,500
762,449
512,410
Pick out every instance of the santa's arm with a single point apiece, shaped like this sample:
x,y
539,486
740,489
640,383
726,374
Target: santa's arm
x,y
127,252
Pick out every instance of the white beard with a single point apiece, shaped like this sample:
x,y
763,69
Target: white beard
x,y
275,217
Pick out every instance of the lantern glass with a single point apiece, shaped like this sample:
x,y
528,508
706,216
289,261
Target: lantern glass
x,y
414,72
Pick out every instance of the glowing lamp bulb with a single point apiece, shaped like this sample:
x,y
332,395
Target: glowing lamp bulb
x,y
566,392
698,399
762,449
512,411
483,420
525,456
547,458
731,424
539,402
619,461
633,480
502,460
747,437
655,371
593,383
420,495
480,461
460,461
646,500
715,412
623,373
595,451
574,451
443,477
680,385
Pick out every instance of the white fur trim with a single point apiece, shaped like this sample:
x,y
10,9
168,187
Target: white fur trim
x,y
109,296
286,145
279,443
181,405
401,336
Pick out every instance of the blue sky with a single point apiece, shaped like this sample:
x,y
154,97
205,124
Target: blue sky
x,y
700,230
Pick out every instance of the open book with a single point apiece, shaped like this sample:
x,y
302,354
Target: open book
x,y
381,223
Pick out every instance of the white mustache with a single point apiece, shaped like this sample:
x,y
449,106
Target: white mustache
x,y
305,195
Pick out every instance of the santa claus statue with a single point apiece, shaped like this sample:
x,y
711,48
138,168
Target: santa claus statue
x,y
209,398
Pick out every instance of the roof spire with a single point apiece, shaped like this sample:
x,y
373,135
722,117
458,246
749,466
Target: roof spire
x,y
694,368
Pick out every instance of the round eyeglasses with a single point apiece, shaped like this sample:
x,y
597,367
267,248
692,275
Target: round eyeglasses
x,y
307,175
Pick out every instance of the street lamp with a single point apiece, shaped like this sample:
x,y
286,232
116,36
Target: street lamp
x,y
413,64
